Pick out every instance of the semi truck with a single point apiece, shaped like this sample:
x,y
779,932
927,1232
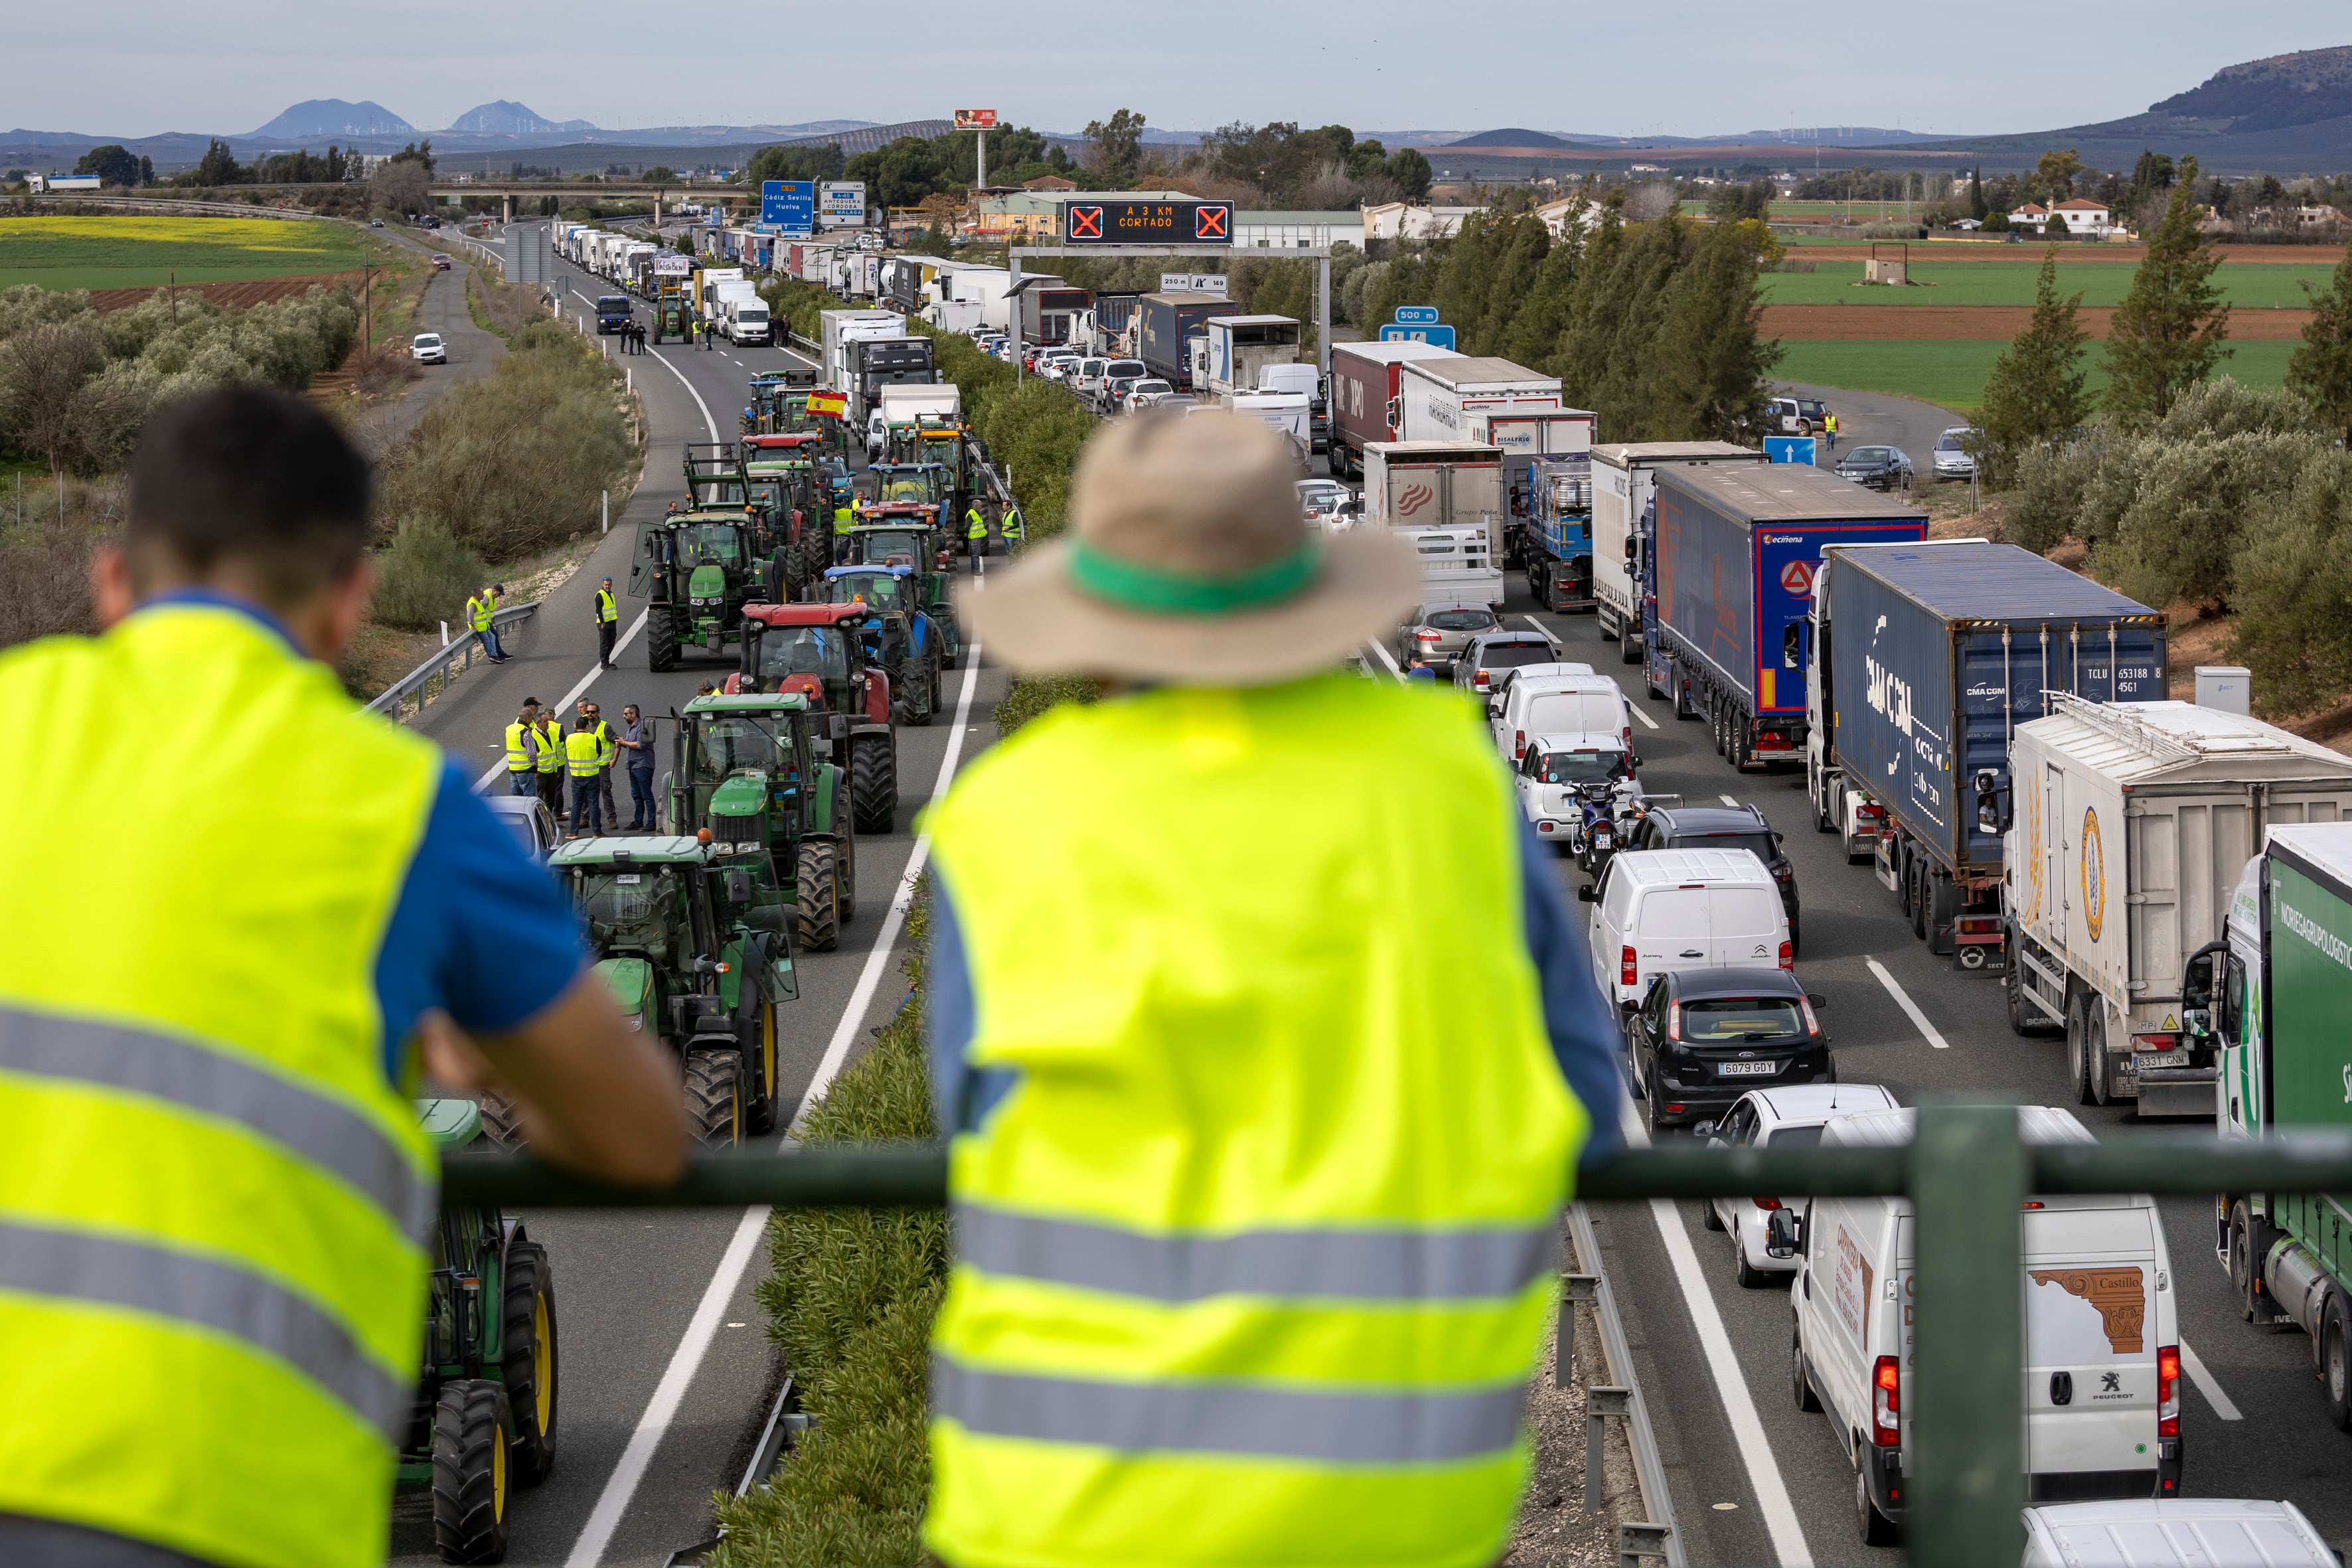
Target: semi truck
x,y
1502,404
1365,387
1449,496
840,325
1624,503
1167,323
2129,826
1559,550
2270,1000
876,363
1241,346
1730,567
1921,661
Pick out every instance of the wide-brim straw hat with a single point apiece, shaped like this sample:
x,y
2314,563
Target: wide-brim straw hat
x,y
1190,563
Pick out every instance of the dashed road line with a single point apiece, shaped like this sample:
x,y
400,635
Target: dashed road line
x,y
1902,1000
2208,1385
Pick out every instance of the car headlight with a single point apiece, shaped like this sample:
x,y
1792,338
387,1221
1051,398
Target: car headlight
x,y
637,1023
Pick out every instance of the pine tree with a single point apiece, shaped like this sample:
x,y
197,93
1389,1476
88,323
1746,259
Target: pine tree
x,y
2321,370
2172,327
1979,208
2035,392
1712,358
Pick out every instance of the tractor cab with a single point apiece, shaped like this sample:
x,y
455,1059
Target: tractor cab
x,y
910,490
755,773
896,544
714,473
819,649
917,598
673,311
699,568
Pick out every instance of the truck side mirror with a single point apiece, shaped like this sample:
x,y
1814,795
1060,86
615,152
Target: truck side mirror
x,y
2198,979
1784,1234
1992,802
1792,646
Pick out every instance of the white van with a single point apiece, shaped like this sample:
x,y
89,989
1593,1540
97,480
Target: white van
x,y
1658,910
1537,702
2177,1533
2102,1333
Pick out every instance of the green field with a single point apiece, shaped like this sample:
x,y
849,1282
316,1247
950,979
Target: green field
x,y
1953,373
2253,285
138,252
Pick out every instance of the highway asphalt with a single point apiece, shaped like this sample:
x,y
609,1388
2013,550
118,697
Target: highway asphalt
x,y
661,1341
2255,1424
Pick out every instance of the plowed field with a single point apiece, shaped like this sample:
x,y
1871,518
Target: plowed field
x,y
255,291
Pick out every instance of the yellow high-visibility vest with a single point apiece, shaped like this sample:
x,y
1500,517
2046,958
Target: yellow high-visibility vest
x,y
518,747
607,612
580,747
551,746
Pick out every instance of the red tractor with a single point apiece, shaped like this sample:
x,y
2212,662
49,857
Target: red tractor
x,y
819,649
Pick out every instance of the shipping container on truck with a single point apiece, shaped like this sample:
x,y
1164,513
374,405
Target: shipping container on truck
x,y
1730,568
1921,661
1240,346
1623,506
2129,826
2271,999
1559,552
1449,495
1364,391
1168,321
877,362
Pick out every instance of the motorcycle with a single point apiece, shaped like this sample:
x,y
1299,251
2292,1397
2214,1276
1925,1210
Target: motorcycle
x,y
1597,836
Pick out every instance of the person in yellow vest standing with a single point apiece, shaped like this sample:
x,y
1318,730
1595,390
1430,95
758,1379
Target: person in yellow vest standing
x,y
1829,423
215,1191
608,623
522,750
1255,1180
551,763
584,758
975,534
1011,526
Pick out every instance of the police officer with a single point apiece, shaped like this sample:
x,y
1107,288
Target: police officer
x,y
522,750
583,758
210,1318
975,534
608,623
1345,1331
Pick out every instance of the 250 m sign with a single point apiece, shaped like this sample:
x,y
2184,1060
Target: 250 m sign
x,y
1147,223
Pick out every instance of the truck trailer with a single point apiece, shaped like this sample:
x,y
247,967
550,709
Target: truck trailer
x,y
1921,662
876,363
1623,507
1448,497
1502,405
1241,346
2128,827
1365,381
840,325
1167,323
1730,567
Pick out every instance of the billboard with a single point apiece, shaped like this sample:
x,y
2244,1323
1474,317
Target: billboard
x,y
841,204
975,120
1142,222
788,207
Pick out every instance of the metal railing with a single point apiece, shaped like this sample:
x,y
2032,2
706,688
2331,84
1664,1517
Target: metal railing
x,y
1966,1172
412,692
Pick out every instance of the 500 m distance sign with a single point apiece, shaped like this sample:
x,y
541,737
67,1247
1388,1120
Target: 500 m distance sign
x,y
1140,222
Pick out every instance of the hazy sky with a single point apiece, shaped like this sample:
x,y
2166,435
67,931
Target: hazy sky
x,y
136,68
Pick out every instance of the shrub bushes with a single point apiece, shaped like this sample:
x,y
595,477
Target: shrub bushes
x,y
426,576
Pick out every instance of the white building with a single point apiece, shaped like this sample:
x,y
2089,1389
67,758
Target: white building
x,y
2084,217
1395,220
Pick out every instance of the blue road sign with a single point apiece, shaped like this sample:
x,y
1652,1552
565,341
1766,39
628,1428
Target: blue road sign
x,y
1442,337
1790,449
789,205
1416,315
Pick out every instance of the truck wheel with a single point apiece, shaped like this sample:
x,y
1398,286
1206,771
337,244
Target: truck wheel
x,y
1629,644
1923,893
1683,707
2078,1062
714,1096
1902,879
2100,1065
873,783
661,638
2023,1016
2241,1259
471,1430
1876,1529
2336,1362
818,910
528,1365
1800,1382
1738,750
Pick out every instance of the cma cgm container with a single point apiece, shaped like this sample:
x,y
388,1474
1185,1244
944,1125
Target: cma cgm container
x,y
1735,549
1923,659
1170,320
1365,407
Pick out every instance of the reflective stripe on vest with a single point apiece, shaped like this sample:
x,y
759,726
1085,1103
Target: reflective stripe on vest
x,y
607,612
580,747
1013,525
974,525
1286,1322
517,748
551,747
212,1184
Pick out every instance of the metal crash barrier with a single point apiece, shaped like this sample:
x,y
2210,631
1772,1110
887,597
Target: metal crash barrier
x,y
1966,1173
406,697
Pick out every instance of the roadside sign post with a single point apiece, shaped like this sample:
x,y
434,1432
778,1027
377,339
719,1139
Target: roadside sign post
x,y
1798,450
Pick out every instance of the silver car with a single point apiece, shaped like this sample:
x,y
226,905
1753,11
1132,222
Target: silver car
x,y
1954,460
1437,633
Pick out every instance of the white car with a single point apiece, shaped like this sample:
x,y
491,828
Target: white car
x,y
1555,699
1790,1118
425,348
1149,394
1058,364
1953,459
1550,769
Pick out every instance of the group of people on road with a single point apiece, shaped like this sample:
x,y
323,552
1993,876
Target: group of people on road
x,y
633,337
540,754
1010,526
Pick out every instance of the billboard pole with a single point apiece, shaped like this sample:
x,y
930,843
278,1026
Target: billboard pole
x,y
980,176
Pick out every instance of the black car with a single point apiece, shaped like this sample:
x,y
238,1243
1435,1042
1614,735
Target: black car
x,y
1876,467
1700,1038
1726,827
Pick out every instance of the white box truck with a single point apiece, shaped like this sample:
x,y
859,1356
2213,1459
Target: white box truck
x,y
841,325
2126,828
1453,492
1624,495
1441,396
1242,347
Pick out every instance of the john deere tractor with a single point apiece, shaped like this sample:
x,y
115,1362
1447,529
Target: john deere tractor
x,y
672,313
900,633
820,649
784,482
696,952
699,568
756,771
484,1419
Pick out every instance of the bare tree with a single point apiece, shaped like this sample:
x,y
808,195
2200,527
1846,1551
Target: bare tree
x,y
1648,202
45,371
1330,190
402,185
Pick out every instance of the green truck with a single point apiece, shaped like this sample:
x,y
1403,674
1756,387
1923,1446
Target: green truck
x,y
2274,996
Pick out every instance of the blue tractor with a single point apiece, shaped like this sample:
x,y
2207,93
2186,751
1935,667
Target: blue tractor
x,y
910,641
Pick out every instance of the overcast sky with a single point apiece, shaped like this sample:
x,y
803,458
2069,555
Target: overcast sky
x,y
135,68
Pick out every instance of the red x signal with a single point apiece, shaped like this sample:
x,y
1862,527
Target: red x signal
x,y
1085,223
1210,223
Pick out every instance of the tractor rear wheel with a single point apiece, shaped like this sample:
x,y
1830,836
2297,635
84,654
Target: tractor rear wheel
x,y
818,910
471,1430
714,1096
923,692
759,1114
661,638
874,782
845,873
528,1366
501,1122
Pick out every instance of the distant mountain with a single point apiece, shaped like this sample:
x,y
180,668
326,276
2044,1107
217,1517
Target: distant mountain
x,y
508,118
321,117
2283,91
1787,136
1511,138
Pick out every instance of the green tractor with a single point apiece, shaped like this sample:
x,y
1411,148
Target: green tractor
x,y
819,650
672,314
699,567
695,951
779,405
756,771
784,480
484,1420
714,473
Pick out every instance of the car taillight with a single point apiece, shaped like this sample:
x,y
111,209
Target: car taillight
x,y
1674,1020
2168,1391
1782,873
1788,956
1805,1005
1482,678
1629,967
1518,744
1429,636
1767,1205
1887,1403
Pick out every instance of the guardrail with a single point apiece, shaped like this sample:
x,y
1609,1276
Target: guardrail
x,y
429,679
1966,1172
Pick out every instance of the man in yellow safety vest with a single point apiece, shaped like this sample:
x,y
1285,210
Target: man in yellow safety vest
x,y
608,623
522,750
584,757
550,742
216,1196
479,610
975,533
1256,1198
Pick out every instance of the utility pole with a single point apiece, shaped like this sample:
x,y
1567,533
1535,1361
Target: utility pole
x,y
981,175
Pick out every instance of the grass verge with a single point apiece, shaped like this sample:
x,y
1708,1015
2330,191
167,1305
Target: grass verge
x,y
1952,373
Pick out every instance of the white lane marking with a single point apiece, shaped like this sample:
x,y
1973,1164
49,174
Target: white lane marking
x,y
1728,800
845,1034
1387,659
595,1535
1730,1384
571,696
1540,627
2208,1385
1902,1000
1644,718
